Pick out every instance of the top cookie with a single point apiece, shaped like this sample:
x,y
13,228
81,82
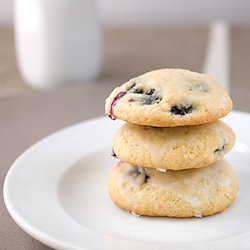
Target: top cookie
x,y
169,97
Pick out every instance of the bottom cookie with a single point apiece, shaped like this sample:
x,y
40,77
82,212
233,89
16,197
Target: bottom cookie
x,y
184,193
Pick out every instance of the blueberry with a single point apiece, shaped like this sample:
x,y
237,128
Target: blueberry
x,y
138,171
151,97
133,85
150,92
219,149
113,103
137,91
113,153
115,100
181,110
148,97
147,178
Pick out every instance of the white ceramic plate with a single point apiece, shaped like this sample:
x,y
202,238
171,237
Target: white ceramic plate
x,y
57,192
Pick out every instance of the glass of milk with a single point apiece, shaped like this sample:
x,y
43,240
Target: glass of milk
x,y
58,42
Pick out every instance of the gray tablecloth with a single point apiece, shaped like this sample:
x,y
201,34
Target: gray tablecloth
x,y
29,117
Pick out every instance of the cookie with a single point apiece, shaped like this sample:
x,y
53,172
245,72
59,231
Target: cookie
x,y
173,148
185,193
169,97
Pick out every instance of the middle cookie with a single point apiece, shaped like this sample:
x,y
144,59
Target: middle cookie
x,y
173,148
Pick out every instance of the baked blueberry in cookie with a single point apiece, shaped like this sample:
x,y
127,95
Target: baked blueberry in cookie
x,y
140,95
188,193
137,170
168,98
219,149
113,103
150,97
147,178
116,99
137,91
113,153
181,110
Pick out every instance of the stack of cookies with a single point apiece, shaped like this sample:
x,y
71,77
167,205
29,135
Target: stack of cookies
x,y
171,146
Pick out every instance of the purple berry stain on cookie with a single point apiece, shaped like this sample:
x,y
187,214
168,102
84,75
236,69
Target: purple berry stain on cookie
x,y
118,165
113,103
148,98
115,100
181,110
113,153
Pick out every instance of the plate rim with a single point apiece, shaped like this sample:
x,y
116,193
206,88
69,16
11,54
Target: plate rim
x,y
41,236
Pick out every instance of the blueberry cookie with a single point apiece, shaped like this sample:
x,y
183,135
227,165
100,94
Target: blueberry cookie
x,y
184,193
169,97
173,148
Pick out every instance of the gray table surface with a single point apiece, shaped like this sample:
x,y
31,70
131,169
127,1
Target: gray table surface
x,y
28,117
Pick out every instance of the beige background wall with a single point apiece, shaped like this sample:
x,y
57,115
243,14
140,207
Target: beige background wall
x,y
159,12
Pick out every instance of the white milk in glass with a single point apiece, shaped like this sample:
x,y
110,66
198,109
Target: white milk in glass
x,y
57,41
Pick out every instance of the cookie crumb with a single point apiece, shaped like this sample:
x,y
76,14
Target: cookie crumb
x,y
198,216
161,169
135,214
